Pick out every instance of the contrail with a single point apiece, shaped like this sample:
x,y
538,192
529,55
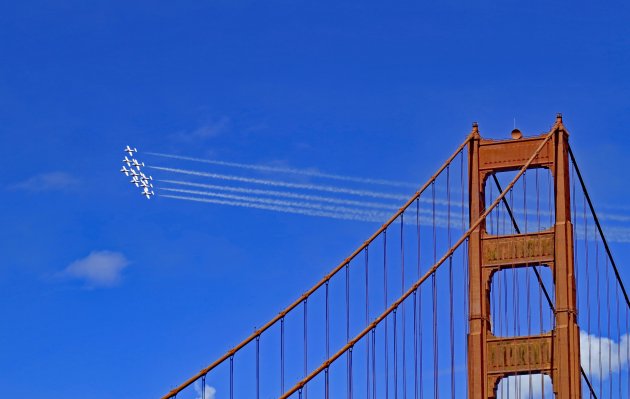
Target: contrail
x,y
315,187
283,209
306,197
277,169
341,190
306,172
363,214
619,235
613,217
286,194
293,204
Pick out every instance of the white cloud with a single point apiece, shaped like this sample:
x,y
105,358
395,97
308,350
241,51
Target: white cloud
x,y
98,269
521,386
210,392
614,357
209,130
47,182
601,356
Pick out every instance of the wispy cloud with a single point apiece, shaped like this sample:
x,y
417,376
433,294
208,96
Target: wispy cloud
x,y
98,269
209,392
52,181
209,130
601,356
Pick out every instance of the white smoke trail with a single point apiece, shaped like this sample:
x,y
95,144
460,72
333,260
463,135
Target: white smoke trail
x,y
303,208
283,209
294,204
613,234
619,235
309,197
277,169
315,187
440,221
392,183
614,217
286,194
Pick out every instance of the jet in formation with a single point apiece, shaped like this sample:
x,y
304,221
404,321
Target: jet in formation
x,y
130,150
147,193
134,162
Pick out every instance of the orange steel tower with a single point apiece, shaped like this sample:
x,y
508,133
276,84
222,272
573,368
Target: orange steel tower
x,y
556,353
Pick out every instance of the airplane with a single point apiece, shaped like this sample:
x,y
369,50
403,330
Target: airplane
x,y
127,161
131,150
135,180
146,184
136,163
133,172
125,171
144,177
147,193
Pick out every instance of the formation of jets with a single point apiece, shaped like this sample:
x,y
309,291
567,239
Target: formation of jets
x,y
138,178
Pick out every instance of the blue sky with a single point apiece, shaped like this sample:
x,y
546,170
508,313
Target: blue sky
x,y
361,89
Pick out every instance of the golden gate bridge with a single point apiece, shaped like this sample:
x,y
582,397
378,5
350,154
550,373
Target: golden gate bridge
x,y
507,288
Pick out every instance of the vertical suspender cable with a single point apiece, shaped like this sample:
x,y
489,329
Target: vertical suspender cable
x,y
552,212
282,356
402,306
367,322
305,344
588,286
434,292
374,362
599,314
395,354
420,341
575,251
540,294
618,338
450,282
347,302
350,394
464,264
385,307
628,351
415,307
415,345
514,282
326,373
232,377
349,356
258,367
608,332
527,281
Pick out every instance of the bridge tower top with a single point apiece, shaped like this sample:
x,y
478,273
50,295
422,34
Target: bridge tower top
x,y
556,353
